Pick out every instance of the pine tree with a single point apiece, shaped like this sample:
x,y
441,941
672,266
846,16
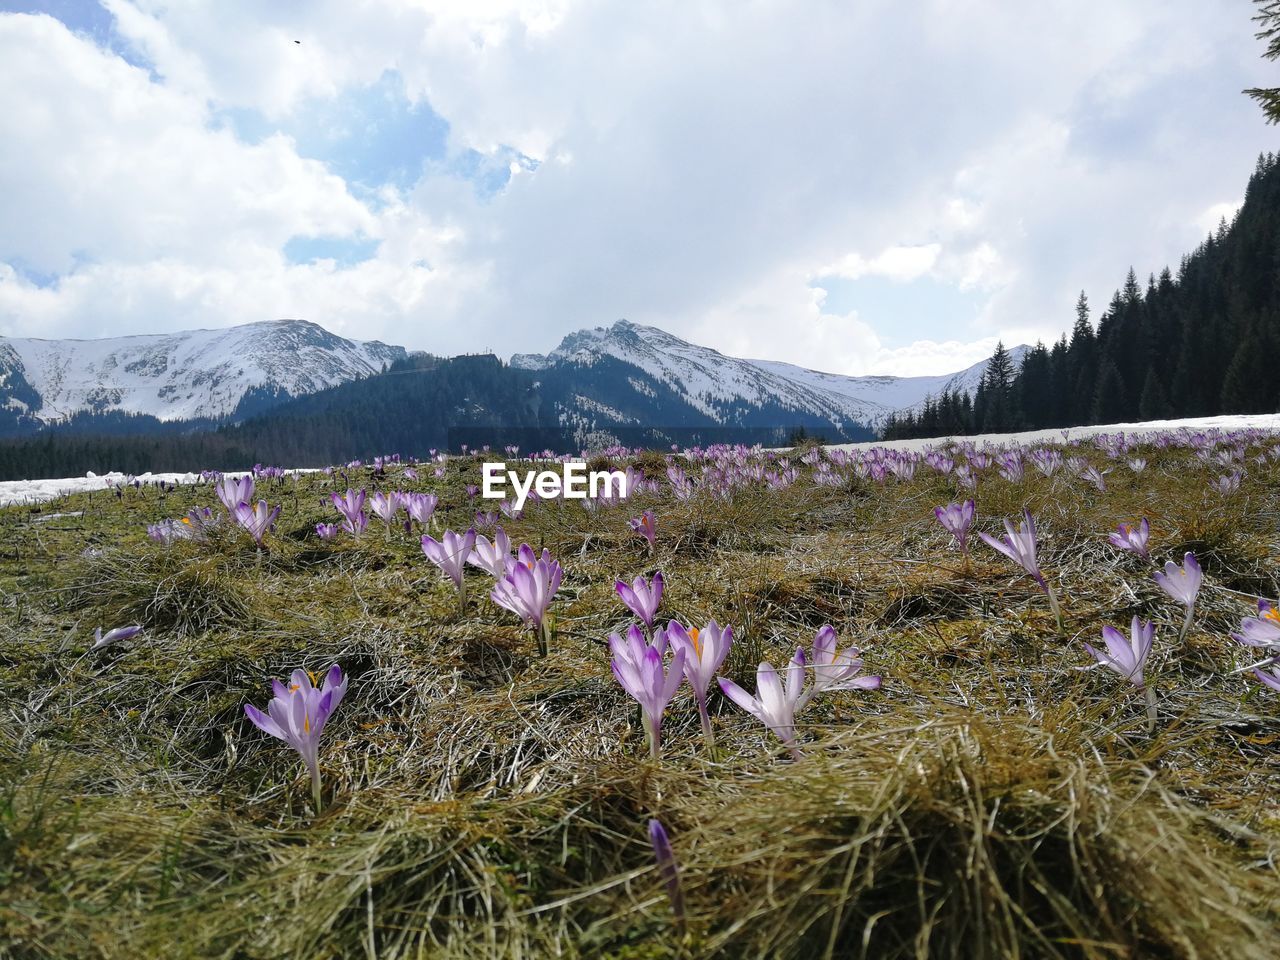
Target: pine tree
x,y
997,391
1154,403
1248,387
1108,401
1082,364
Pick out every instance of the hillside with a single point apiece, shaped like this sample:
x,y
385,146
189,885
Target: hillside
x,y
730,391
192,375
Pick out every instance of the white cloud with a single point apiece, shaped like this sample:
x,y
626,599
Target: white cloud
x,y
896,263
1212,217
928,357
102,164
701,164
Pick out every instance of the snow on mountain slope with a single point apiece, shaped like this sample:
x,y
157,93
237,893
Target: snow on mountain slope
x,y
877,397
181,376
710,381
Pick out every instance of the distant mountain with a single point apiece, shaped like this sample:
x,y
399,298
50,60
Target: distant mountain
x,y
725,390
287,391
192,375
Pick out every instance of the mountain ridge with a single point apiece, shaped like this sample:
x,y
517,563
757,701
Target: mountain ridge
x,y
713,382
185,375
624,375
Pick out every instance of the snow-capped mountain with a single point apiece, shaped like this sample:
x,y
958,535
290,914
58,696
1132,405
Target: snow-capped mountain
x,y
625,380
725,389
181,376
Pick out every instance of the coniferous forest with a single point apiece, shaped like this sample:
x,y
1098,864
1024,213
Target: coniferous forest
x,y
1198,342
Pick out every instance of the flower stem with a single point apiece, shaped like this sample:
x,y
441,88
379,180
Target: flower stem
x,y
1151,709
315,787
1186,624
1053,605
707,733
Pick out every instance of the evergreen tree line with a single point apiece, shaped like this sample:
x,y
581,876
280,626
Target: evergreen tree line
x,y
1198,343
410,409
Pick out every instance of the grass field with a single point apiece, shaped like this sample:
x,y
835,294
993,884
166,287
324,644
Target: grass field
x,y
991,799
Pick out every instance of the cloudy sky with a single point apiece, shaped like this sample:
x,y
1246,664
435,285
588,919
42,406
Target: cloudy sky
x,y
860,187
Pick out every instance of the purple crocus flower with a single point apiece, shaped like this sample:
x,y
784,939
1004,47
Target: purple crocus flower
x,y
705,650
351,507
1096,477
1262,630
233,492
386,505
638,667
450,554
1228,483
642,597
326,531
956,519
167,531
645,526
835,670
1182,583
199,520
1271,678
421,506
1132,539
1128,657
297,714
527,590
775,704
495,557
257,520
670,870
113,636
1012,467
1020,547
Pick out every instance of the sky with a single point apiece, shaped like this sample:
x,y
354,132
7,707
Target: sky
x,y
869,187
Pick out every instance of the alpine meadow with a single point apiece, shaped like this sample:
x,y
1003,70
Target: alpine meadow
x,y
368,589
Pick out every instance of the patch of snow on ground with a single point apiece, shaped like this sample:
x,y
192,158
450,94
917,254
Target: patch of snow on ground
x,y
1258,421
37,491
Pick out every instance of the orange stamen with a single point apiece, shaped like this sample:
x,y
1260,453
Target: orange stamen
x,y
697,646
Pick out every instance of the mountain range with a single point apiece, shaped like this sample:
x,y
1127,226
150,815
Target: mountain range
x,y
731,391
595,383
191,375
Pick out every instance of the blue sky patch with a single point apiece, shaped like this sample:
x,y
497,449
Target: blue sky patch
x,y
87,18
345,251
369,136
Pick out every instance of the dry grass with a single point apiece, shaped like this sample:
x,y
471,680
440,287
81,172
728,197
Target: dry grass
x,y
990,801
